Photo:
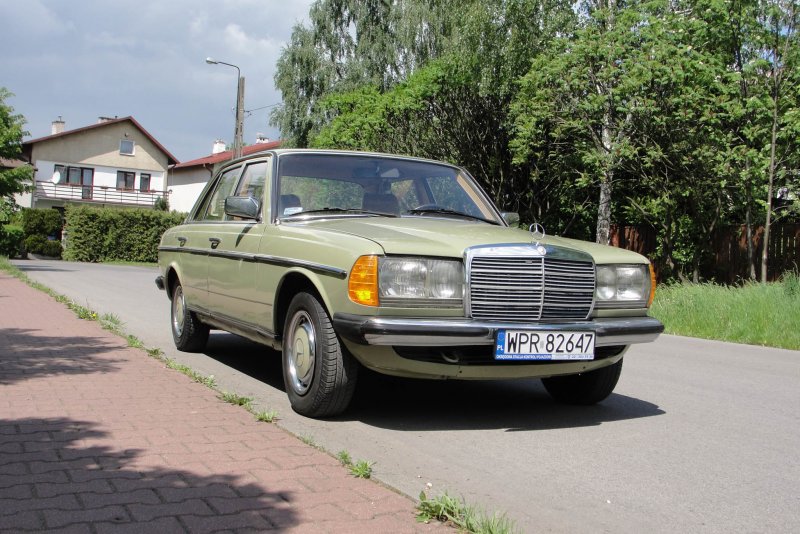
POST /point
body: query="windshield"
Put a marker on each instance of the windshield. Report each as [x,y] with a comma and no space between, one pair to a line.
[347,185]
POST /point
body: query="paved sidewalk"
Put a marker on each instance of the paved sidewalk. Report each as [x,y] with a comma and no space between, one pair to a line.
[98,437]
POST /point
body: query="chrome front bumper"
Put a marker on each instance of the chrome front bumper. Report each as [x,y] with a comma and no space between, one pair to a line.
[413,332]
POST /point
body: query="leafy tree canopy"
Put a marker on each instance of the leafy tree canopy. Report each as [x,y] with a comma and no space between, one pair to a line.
[11,134]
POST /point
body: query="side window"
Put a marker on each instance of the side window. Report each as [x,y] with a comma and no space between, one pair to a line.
[214,206]
[253,180]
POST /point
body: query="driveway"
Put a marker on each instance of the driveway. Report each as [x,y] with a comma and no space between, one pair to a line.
[699,436]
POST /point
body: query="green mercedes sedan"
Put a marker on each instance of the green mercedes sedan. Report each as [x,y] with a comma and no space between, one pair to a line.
[405,266]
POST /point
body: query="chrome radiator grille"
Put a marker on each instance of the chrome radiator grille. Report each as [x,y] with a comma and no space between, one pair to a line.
[529,289]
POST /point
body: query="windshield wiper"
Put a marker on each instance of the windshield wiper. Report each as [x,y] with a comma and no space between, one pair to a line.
[343,210]
[445,211]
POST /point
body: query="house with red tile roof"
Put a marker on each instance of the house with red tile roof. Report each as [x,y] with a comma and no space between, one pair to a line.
[186,180]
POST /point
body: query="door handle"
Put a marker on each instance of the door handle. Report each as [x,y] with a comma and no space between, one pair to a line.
[181,240]
[215,241]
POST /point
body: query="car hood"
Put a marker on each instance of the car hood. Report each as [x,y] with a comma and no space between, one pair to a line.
[446,237]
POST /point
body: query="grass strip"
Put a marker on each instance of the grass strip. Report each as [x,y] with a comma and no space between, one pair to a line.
[753,313]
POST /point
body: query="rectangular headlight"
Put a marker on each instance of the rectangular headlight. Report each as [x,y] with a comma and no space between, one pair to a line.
[622,286]
[420,282]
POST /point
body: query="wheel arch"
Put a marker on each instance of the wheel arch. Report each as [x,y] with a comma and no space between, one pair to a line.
[170,280]
[290,285]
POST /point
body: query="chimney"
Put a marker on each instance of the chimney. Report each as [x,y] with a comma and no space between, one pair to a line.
[261,138]
[101,120]
[219,146]
[57,126]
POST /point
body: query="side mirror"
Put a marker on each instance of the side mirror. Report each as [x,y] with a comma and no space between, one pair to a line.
[244,207]
[511,218]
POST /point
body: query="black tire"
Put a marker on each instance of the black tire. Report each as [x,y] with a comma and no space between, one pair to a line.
[189,334]
[318,372]
[585,388]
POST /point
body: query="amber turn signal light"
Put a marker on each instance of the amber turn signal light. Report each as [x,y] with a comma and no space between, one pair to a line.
[652,286]
[362,286]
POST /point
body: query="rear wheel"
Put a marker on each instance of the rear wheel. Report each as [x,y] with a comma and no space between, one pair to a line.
[585,388]
[189,334]
[319,373]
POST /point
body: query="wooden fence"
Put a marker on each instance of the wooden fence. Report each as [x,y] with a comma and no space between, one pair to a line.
[729,263]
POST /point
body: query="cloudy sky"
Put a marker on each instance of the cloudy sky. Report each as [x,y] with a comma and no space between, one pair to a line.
[84,59]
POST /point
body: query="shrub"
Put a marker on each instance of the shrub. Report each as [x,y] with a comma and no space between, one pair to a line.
[10,240]
[35,244]
[42,222]
[107,234]
[52,249]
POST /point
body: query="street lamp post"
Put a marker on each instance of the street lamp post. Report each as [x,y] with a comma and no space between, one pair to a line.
[239,127]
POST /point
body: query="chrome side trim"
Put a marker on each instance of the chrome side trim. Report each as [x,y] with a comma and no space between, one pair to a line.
[261,258]
[412,332]
[315,267]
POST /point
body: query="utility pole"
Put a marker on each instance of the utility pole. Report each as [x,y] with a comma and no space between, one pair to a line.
[238,129]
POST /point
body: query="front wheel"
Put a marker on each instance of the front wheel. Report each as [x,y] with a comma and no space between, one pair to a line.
[189,334]
[318,372]
[585,388]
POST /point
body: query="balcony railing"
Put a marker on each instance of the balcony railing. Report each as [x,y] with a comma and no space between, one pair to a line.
[96,193]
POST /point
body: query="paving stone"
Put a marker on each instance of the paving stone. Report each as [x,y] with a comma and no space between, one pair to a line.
[98,437]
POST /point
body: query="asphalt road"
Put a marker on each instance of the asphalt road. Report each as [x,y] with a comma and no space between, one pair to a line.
[699,436]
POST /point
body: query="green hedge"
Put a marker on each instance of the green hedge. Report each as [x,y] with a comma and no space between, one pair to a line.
[10,240]
[107,234]
[43,222]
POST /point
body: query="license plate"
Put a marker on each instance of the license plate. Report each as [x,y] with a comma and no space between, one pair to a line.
[544,345]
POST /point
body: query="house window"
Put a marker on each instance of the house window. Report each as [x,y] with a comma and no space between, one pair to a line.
[125,180]
[59,174]
[82,177]
[144,183]
[126,147]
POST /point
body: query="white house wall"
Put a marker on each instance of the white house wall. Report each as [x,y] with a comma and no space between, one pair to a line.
[186,186]
[103,176]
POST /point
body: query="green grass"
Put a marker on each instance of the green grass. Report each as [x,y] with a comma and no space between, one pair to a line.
[235,399]
[266,416]
[466,518]
[361,469]
[344,458]
[754,314]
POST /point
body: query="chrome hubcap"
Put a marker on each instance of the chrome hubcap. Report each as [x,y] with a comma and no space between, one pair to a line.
[178,311]
[301,352]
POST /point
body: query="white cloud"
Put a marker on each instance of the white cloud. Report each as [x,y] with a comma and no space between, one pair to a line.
[82,59]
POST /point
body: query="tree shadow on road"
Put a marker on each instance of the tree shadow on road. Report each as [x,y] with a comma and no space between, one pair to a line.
[59,472]
[26,354]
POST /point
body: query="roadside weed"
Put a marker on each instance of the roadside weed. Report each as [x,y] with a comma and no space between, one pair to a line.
[267,416]
[134,342]
[235,399]
[191,373]
[344,458]
[308,440]
[448,509]
[361,469]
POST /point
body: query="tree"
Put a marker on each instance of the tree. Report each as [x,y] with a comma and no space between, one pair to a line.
[11,133]
[779,20]
[350,44]
[578,97]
